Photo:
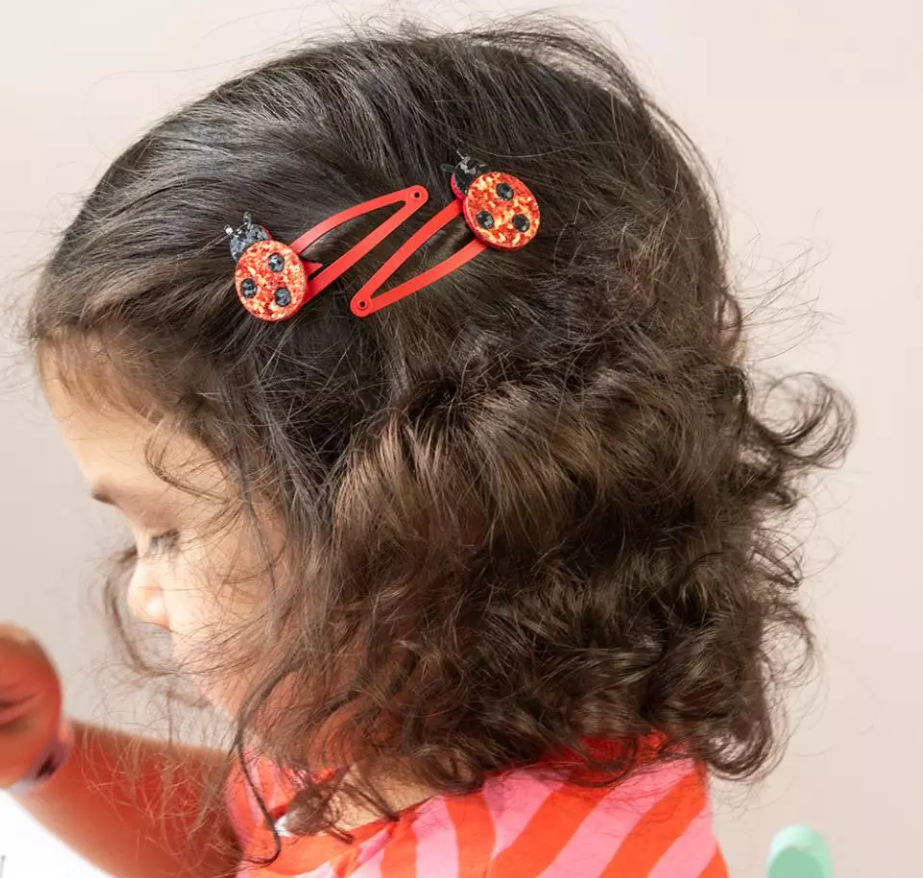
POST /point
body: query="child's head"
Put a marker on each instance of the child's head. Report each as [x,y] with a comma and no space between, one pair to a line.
[530,504]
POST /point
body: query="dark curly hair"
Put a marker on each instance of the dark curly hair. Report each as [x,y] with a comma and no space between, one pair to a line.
[536,504]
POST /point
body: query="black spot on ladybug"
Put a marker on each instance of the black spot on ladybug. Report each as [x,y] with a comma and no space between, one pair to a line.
[504,191]
[276,262]
[248,288]
[485,219]
[283,297]
[520,222]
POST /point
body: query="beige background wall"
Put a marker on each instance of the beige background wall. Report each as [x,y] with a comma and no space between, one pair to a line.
[811,113]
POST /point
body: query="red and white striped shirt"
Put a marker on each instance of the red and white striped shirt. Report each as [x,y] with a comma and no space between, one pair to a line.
[522,824]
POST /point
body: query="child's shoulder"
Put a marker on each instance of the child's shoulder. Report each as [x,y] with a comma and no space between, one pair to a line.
[657,822]
[523,824]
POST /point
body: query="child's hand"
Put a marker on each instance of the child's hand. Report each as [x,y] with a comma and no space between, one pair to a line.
[30,702]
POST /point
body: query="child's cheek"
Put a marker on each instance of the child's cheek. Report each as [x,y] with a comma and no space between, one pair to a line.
[205,623]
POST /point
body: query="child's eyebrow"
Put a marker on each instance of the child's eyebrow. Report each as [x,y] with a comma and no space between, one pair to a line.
[123,499]
[103,495]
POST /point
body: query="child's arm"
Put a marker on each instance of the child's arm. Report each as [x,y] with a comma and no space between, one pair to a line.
[136,826]
[117,800]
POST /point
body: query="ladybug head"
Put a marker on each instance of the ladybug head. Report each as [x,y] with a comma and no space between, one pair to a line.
[465,173]
[245,235]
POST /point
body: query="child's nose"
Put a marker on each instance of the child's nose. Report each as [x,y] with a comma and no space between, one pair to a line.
[146,603]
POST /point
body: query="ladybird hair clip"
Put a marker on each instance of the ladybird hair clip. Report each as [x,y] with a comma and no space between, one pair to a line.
[273,282]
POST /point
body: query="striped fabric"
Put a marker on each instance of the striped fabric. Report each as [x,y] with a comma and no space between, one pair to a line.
[520,825]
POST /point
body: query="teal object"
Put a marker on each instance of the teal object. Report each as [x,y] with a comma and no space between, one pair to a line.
[799,852]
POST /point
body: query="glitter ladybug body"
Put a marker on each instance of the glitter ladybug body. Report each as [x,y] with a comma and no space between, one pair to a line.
[270,278]
[498,207]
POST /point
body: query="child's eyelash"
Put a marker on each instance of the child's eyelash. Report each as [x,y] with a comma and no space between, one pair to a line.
[161,543]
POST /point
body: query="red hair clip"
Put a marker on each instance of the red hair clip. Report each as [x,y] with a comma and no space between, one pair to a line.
[273,282]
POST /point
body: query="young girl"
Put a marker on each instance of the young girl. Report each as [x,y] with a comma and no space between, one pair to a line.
[480,557]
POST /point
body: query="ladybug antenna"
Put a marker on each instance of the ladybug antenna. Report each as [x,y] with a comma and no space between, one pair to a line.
[469,165]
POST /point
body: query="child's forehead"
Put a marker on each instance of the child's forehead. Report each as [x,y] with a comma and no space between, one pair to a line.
[114,449]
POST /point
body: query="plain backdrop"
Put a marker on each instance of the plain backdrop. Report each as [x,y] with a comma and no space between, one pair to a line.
[810,113]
